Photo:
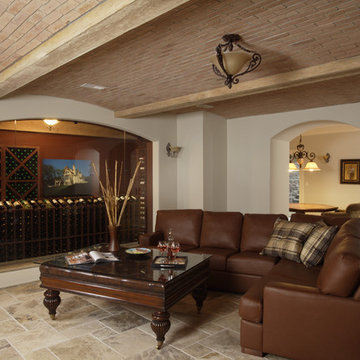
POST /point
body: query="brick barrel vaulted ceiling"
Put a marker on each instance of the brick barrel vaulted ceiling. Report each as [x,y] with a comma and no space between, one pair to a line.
[154,58]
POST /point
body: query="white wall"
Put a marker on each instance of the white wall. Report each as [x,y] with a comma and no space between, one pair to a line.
[190,161]
[324,186]
[256,143]
[215,162]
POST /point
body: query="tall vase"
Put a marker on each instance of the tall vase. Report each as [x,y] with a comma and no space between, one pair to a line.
[113,235]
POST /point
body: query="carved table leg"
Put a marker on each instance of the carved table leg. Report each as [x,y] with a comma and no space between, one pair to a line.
[199,294]
[160,324]
[52,301]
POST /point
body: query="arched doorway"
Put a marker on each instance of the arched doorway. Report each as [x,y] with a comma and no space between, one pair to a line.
[50,199]
[323,187]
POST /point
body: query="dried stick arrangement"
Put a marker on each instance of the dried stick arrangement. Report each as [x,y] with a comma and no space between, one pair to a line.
[111,193]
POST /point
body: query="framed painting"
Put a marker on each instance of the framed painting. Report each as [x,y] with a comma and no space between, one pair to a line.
[64,177]
[349,171]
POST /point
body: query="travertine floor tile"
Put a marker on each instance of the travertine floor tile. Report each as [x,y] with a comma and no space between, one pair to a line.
[42,336]
[9,328]
[166,353]
[84,348]
[42,354]
[83,329]
[132,342]
[231,321]
[182,335]
[197,350]
[8,352]
[226,343]
[124,320]
[104,333]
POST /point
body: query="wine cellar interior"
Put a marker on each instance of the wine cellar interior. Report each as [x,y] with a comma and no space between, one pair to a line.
[51,201]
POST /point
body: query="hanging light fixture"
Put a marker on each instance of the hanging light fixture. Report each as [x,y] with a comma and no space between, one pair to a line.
[300,155]
[230,64]
[50,123]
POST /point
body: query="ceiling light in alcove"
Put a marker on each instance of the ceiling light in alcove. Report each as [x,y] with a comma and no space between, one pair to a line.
[50,123]
[93,86]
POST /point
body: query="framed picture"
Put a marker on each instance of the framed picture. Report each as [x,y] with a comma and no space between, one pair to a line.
[349,171]
[64,177]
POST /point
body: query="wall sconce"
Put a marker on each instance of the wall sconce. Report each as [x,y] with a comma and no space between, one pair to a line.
[172,151]
[228,64]
[326,157]
[50,123]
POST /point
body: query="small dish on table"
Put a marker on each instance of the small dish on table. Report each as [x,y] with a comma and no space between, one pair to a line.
[138,252]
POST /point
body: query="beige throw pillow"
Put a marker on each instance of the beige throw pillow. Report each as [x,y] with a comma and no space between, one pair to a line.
[287,239]
[316,245]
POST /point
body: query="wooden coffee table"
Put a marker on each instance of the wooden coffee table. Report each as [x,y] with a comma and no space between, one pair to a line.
[131,280]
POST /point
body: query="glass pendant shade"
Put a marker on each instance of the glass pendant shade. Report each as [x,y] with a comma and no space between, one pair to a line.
[293,167]
[311,166]
[233,61]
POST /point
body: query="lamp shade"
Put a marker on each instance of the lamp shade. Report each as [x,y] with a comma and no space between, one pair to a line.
[311,166]
[293,167]
[233,61]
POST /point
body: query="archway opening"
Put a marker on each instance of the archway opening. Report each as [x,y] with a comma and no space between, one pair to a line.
[323,187]
[51,201]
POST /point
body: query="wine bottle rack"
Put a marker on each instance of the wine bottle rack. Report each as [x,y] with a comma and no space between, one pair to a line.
[28,233]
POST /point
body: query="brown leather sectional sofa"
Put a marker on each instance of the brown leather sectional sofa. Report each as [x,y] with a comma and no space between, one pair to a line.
[287,309]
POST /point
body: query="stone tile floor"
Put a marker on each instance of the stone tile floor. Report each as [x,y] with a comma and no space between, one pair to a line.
[96,329]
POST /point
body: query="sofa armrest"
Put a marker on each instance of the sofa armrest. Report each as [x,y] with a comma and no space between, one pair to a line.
[300,322]
[151,239]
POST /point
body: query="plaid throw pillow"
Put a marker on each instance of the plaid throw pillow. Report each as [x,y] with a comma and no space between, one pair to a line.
[317,244]
[287,239]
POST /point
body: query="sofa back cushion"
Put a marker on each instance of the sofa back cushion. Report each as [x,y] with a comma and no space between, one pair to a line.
[221,230]
[328,220]
[340,274]
[185,225]
[256,230]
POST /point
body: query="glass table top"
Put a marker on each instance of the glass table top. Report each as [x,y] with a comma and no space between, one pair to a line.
[130,266]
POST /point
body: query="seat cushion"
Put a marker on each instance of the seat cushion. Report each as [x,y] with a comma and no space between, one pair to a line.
[293,272]
[251,304]
[256,230]
[185,225]
[218,258]
[221,230]
[251,263]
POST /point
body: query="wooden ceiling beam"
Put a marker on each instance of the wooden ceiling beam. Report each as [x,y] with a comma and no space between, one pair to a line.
[105,22]
[313,74]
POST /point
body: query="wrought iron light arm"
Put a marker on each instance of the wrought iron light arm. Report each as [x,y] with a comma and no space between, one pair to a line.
[229,41]
[300,154]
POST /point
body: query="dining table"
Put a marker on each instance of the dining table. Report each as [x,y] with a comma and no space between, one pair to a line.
[309,207]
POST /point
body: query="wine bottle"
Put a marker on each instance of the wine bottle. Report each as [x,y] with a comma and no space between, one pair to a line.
[25,204]
[8,204]
[41,203]
[2,206]
[70,202]
[33,204]
[79,202]
[55,203]
[48,204]
[62,202]
[17,204]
